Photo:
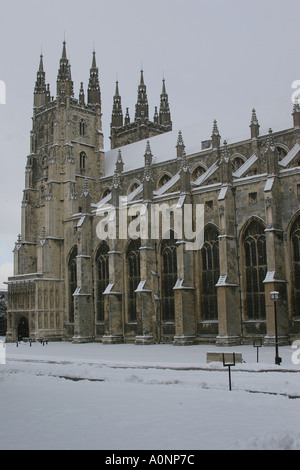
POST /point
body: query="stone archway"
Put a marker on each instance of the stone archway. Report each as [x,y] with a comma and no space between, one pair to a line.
[23,328]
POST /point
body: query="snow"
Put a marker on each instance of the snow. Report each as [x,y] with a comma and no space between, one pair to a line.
[233,130]
[158,397]
[290,156]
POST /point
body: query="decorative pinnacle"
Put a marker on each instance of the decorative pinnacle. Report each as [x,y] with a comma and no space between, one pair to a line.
[119,163]
[215,128]
[270,141]
[225,152]
[86,188]
[254,120]
[180,139]
[184,164]
[148,153]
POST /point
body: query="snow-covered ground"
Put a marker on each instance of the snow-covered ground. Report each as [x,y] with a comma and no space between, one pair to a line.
[159,397]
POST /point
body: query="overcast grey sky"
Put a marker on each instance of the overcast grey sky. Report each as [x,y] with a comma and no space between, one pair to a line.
[220,58]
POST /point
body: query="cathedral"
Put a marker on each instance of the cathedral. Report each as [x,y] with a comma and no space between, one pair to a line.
[71,284]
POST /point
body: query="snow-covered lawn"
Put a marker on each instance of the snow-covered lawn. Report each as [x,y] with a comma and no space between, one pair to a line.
[159,397]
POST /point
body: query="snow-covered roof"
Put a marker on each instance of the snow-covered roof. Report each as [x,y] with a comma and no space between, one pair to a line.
[163,147]
[245,167]
[206,175]
[290,156]
[168,185]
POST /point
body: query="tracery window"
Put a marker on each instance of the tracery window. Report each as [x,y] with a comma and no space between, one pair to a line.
[102,266]
[236,163]
[210,274]
[281,152]
[295,238]
[133,187]
[169,278]
[134,277]
[200,170]
[255,270]
[163,180]
[82,161]
[82,127]
[72,282]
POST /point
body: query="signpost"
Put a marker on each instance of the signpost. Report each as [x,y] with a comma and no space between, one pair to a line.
[257,343]
[229,362]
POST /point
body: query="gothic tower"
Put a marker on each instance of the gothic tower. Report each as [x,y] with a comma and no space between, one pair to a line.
[66,156]
[126,132]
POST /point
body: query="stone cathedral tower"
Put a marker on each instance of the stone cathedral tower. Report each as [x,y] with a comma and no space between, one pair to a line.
[66,157]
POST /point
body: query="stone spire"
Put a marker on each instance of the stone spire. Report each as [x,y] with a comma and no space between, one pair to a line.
[41,90]
[127,117]
[225,165]
[94,93]
[271,155]
[117,114]
[116,188]
[164,111]
[254,126]
[64,79]
[180,149]
[81,95]
[148,181]
[119,163]
[216,138]
[142,107]
[148,153]
[185,175]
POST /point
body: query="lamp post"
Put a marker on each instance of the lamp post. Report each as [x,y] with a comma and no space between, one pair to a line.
[274,298]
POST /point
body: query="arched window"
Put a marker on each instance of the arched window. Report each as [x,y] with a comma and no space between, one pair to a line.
[163,180]
[82,162]
[295,238]
[255,270]
[236,163]
[169,278]
[133,187]
[72,282]
[106,192]
[198,171]
[281,152]
[134,277]
[210,274]
[82,127]
[102,266]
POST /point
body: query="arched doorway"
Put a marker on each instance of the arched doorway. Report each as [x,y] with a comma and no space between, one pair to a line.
[23,329]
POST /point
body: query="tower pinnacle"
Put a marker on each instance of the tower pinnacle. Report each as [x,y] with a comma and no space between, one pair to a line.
[41,90]
[142,108]
[117,114]
[164,111]
[64,79]
[94,94]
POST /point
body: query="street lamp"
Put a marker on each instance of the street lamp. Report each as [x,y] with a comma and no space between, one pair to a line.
[274,298]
